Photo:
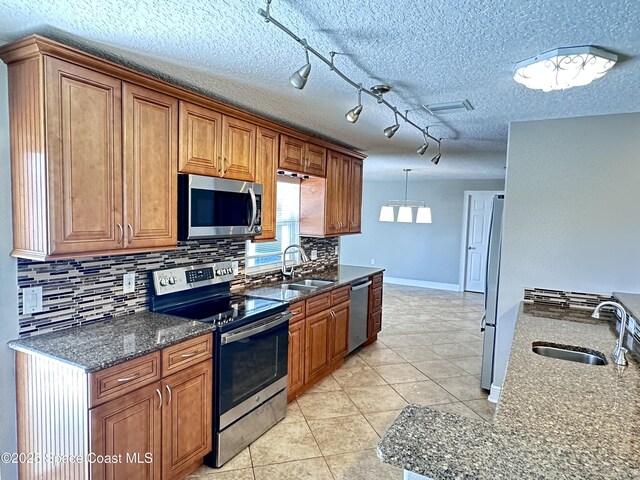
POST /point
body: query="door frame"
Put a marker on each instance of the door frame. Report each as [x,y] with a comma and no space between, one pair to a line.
[462,277]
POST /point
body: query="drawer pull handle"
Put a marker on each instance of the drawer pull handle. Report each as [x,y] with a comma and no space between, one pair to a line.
[128,379]
[169,391]
[188,355]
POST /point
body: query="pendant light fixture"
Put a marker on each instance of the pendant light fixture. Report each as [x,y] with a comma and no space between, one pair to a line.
[564,68]
[405,207]
[353,114]
[300,76]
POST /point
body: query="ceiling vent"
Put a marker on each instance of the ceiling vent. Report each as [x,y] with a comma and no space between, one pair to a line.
[448,107]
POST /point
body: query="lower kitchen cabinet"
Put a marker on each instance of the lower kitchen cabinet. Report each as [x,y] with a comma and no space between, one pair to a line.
[340,332]
[374,322]
[295,373]
[317,342]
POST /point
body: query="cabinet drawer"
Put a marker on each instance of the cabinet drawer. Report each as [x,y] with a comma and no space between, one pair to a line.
[318,303]
[376,280]
[340,295]
[184,354]
[376,323]
[375,299]
[298,311]
[126,377]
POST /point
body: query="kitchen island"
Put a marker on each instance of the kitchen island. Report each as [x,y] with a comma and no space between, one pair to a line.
[556,419]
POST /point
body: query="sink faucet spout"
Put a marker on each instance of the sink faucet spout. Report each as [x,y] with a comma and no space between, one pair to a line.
[619,351]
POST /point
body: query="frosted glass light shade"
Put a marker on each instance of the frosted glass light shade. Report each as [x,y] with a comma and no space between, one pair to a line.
[386,214]
[405,215]
[423,215]
[564,68]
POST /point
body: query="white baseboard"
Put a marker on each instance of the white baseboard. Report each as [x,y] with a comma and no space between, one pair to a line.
[454,287]
[494,393]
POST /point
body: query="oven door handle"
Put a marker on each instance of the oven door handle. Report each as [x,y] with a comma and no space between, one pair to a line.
[255,328]
[254,209]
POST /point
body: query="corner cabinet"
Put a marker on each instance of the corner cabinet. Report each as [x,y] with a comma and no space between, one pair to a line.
[93,162]
[333,206]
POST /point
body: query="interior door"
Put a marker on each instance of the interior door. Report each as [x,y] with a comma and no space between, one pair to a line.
[478,222]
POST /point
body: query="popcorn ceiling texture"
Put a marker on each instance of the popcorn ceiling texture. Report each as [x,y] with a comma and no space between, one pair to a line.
[427,51]
[76,292]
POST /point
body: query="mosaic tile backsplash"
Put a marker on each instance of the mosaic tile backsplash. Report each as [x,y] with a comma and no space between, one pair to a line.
[76,292]
[560,298]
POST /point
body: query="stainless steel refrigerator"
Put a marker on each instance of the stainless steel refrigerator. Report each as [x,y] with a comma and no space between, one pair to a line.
[492,280]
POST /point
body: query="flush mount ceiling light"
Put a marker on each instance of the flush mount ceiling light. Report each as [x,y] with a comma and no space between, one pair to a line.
[405,207]
[298,79]
[353,114]
[564,68]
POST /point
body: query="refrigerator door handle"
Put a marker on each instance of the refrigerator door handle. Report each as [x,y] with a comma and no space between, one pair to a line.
[483,322]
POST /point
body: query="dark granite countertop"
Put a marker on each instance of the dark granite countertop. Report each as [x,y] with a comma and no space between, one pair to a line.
[109,342]
[555,419]
[343,275]
[631,302]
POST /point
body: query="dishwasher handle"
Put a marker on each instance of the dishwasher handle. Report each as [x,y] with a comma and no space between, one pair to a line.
[360,286]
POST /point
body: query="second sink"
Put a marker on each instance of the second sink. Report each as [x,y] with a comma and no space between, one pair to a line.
[570,353]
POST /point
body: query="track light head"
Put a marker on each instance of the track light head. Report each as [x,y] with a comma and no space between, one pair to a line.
[390,131]
[423,148]
[300,76]
[435,160]
[353,114]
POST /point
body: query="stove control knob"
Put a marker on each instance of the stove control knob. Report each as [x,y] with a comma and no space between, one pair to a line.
[164,282]
[172,280]
[218,272]
[229,271]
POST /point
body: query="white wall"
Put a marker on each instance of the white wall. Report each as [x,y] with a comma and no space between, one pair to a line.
[422,252]
[572,212]
[8,291]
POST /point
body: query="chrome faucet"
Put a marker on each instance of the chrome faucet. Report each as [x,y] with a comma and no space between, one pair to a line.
[619,351]
[289,272]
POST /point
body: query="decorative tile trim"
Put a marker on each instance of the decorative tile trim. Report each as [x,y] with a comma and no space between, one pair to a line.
[559,298]
[77,292]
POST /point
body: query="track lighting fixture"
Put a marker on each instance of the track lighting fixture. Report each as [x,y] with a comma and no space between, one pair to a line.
[436,159]
[300,76]
[353,114]
[299,79]
[390,131]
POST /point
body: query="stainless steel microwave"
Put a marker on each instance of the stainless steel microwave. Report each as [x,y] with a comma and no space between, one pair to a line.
[211,207]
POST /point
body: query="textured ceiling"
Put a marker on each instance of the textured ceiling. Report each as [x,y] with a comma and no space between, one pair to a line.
[429,51]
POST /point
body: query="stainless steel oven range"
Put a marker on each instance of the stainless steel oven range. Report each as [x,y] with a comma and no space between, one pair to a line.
[250,353]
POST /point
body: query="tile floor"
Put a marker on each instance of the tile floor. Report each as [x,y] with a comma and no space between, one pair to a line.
[429,353]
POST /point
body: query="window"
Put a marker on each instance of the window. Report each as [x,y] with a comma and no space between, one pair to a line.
[268,255]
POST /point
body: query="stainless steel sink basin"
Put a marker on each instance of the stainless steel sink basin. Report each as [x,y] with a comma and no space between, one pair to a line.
[570,353]
[300,287]
[315,283]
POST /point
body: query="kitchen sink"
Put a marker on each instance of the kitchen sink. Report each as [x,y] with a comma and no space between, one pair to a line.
[299,286]
[569,353]
[312,283]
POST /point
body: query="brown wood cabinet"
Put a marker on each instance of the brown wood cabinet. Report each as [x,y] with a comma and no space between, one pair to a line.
[302,157]
[267,145]
[340,331]
[158,426]
[317,345]
[333,206]
[238,149]
[200,146]
[295,373]
[374,322]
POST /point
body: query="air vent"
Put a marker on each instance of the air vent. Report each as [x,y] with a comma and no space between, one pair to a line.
[448,107]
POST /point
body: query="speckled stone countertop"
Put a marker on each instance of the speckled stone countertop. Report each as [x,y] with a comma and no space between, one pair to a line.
[343,275]
[555,419]
[109,342]
[631,302]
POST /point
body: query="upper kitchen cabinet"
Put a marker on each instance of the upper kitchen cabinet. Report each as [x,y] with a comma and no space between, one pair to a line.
[302,157]
[150,138]
[333,206]
[266,164]
[216,145]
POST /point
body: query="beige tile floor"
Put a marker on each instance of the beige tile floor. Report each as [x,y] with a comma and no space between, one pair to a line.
[429,353]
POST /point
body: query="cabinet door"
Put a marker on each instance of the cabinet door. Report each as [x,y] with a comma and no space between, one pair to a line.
[295,372]
[266,166]
[131,427]
[333,205]
[340,332]
[85,159]
[355,196]
[186,418]
[292,154]
[317,347]
[200,146]
[316,160]
[344,187]
[150,134]
[238,149]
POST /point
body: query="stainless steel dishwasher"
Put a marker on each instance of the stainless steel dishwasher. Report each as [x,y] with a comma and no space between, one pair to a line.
[359,313]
